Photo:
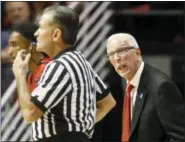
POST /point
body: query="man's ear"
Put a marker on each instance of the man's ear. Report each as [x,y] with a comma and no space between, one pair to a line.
[138,51]
[57,35]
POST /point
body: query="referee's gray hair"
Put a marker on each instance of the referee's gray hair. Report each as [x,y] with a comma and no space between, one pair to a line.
[122,37]
[68,21]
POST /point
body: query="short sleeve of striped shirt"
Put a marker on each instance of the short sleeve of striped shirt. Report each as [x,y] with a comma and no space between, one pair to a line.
[54,84]
[101,89]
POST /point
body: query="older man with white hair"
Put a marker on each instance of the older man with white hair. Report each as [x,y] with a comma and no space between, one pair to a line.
[153,107]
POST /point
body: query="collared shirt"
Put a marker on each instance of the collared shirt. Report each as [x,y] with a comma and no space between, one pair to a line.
[135,82]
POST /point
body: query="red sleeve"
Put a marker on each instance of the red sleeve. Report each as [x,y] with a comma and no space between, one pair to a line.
[38,73]
[30,82]
[34,77]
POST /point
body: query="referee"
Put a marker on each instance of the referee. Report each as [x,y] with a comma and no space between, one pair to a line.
[70,97]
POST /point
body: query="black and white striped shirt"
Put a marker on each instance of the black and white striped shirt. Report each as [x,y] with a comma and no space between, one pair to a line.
[67,94]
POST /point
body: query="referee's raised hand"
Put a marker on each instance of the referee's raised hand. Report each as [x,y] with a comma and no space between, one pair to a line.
[20,64]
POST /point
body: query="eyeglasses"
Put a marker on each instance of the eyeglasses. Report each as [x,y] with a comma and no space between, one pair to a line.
[120,52]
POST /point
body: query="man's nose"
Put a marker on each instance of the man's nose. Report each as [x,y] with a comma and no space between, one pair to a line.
[9,51]
[36,34]
[16,12]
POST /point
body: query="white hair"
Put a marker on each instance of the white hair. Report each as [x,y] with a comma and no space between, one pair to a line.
[121,38]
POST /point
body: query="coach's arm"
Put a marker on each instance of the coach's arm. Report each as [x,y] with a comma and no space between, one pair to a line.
[103,106]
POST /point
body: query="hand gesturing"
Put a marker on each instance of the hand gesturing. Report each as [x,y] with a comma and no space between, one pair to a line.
[20,64]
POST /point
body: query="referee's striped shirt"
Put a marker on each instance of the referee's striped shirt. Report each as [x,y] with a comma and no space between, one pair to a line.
[67,94]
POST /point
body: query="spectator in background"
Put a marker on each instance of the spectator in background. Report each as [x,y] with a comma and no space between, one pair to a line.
[16,12]
[153,105]
[38,8]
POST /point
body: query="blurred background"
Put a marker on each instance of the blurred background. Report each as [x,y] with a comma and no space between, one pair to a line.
[157,26]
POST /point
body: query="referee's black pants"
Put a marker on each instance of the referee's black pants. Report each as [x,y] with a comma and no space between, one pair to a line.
[67,137]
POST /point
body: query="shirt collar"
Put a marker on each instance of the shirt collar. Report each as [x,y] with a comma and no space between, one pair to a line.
[62,52]
[136,79]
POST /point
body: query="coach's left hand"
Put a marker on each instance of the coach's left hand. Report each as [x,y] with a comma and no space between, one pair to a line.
[20,64]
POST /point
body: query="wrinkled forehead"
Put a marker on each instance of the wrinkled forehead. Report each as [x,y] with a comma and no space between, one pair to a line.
[117,43]
[14,36]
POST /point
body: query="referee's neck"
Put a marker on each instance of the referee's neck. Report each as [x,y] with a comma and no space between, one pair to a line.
[59,49]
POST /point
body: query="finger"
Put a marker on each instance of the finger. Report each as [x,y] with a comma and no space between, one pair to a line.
[19,54]
[27,59]
[30,49]
[33,44]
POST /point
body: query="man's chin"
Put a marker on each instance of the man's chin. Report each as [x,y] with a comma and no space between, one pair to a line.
[38,49]
[123,74]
